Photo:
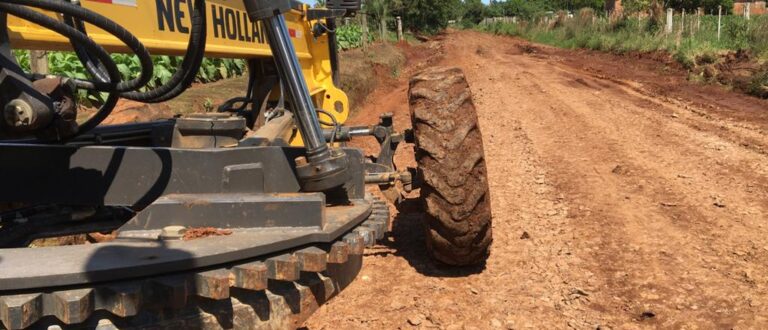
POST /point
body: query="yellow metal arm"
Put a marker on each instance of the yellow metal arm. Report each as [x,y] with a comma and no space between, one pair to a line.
[163,26]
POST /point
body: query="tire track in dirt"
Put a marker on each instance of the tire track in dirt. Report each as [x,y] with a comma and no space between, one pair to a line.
[615,205]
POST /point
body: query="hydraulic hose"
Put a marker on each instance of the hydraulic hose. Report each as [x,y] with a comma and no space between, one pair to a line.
[106,77]
[185,73]
[82,39]
[67,8]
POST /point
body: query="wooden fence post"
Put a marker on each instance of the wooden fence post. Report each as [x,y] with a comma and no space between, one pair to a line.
[682,23]
[719,21]
[364,23]
[399,28]
[38,61]
[747,10]
[670,15]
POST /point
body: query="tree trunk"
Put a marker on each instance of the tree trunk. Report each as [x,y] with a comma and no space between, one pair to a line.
[383,27]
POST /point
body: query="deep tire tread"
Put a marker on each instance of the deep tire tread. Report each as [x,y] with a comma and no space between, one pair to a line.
[452,169]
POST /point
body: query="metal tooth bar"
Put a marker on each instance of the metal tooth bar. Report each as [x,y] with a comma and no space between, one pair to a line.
[369,237]
[339,253]
[250,276]
[169,291]
[128,298]
[213,284]
[72,306]
[283,268]
[121,300]
[356,243]
[312,259]
[21,311]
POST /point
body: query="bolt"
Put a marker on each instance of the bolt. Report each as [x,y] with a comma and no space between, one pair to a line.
[301,161]
[172,233]
[19,113]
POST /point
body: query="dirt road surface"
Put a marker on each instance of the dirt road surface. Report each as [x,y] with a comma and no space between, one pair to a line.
[623,197]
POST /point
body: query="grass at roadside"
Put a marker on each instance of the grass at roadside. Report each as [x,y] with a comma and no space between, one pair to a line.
[696,46]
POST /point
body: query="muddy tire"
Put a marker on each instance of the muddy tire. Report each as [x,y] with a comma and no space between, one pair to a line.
[451,167]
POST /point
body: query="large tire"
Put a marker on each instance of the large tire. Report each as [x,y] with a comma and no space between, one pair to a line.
[451,167]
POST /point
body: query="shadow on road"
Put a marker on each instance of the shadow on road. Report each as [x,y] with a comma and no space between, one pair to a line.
[408,242]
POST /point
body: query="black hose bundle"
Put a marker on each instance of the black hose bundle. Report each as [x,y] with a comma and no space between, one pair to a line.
[98,62]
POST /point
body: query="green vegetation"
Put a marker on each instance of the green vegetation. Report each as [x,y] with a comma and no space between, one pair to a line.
[633,34]
[692,45]
[67,64]
[351,36]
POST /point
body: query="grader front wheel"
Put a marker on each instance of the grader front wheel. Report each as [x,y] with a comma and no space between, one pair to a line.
[452,170]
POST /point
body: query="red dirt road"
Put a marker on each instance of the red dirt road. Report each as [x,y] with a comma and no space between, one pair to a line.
[623,197]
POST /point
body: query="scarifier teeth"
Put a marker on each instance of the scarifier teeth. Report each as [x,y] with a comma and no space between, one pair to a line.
[339,253]
[21,311]
[283,268]
[356,243]
[312,259]
[121,300]
[72,306]
[213,284]
[251,276]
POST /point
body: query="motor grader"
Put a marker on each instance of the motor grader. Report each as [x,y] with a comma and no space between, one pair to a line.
[250,216]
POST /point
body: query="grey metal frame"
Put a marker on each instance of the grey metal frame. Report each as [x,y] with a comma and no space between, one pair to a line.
[140,179]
